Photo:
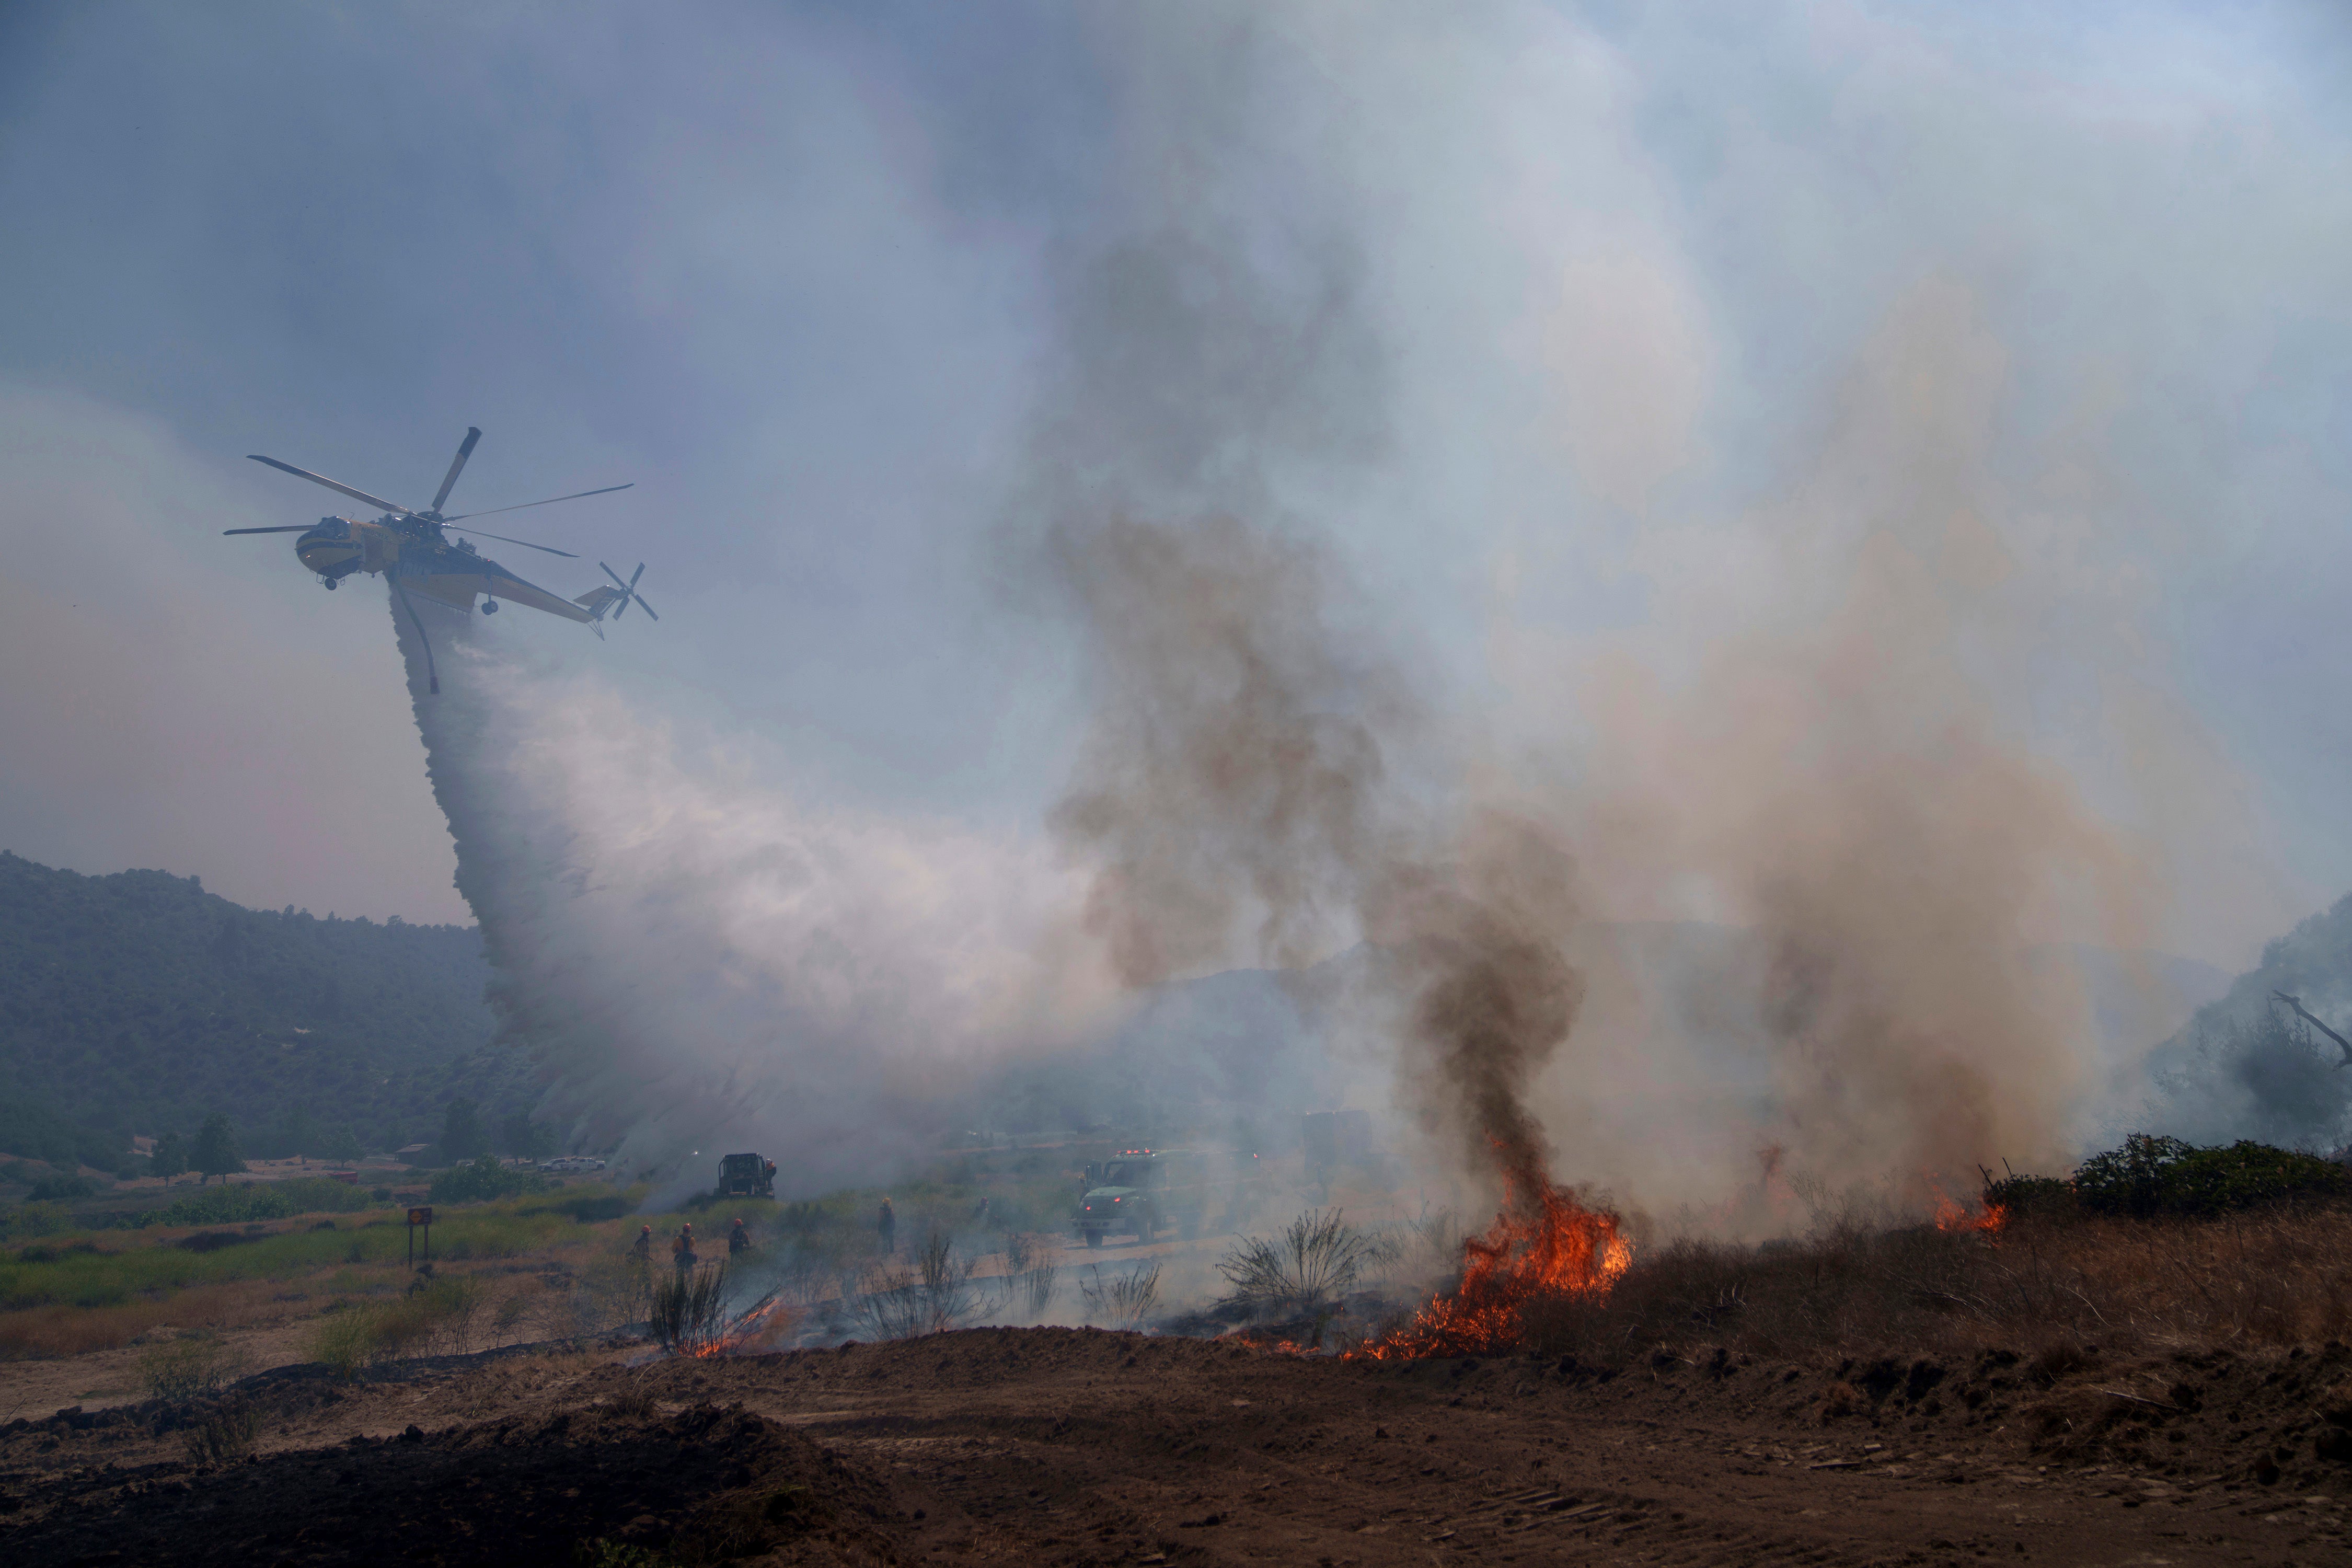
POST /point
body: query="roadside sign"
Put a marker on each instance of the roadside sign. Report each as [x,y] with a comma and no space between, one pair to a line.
[418,1216]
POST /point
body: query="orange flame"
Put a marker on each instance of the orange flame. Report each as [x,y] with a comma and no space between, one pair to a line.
[756,1330]
[1548,1245]
[1951,1215]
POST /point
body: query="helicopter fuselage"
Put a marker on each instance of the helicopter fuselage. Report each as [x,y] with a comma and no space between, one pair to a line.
[413,550]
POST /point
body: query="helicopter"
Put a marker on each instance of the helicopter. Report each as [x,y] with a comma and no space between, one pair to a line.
[410,549]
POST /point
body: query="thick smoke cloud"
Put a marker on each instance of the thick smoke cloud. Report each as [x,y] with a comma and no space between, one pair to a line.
[1236,802]
[1407,391]
[1847,776]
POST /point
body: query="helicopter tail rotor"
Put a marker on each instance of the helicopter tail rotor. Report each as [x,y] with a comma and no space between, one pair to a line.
[628,591]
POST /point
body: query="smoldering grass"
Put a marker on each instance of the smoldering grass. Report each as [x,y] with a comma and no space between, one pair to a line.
[1308,1269]
[1121,1300]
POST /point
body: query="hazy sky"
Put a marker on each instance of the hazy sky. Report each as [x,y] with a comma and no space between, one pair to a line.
[808,275]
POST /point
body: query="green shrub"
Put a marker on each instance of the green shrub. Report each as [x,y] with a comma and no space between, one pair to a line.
[2018,1195]
[482,1179]
[441,1317]
[262,1200]
[61,1187]
[345,1341]
[2156,1176]
[33,1219]
[186,1368]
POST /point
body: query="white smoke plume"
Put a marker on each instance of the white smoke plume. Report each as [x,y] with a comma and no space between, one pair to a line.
[698,960]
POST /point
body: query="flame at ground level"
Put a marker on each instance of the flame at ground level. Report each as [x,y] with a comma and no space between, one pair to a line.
[1543,1244]
[1955,1216]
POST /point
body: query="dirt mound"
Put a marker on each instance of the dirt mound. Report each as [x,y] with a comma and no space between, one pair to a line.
[705,1484]
[1060,1448]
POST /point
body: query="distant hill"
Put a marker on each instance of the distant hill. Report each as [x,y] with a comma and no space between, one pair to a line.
[140,1003]
[2245,1068]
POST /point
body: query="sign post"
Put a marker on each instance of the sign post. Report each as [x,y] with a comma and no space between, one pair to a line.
[423,1216]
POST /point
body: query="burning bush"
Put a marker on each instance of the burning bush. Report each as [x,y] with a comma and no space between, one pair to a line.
[1544,1252]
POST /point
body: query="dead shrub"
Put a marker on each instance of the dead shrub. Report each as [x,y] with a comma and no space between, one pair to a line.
[225,1437]
[1122,1300]
[1307,1270]
[632,1402]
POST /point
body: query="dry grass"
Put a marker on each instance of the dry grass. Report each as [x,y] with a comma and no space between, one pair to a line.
[62,1329]
[2269,1278]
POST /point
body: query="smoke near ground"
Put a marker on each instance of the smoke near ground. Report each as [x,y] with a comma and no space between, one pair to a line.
[700,963]
[1237,801]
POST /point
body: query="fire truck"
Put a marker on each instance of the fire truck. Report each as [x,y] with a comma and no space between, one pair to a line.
[1143,1192]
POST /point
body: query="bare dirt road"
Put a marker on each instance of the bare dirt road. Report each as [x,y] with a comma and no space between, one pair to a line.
[1054,1446]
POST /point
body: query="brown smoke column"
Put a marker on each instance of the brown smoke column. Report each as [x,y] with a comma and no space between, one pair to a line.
[1237,797]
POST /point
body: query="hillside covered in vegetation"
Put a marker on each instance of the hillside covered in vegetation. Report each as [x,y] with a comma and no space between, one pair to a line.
[2249,1065]
[138,1002]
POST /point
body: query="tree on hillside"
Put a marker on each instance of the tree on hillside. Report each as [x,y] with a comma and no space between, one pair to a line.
[520,1136]
[171,1155]
[462,1136]
[299,1133]
[342,1146]
[214,1152]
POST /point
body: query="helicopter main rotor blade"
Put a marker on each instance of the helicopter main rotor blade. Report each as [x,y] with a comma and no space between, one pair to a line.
[522,506]
[289,528]
[330,484]
[526,543]
[457,464]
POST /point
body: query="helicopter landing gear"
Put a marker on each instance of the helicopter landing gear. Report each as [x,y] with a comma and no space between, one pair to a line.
[490,606]
[331,584]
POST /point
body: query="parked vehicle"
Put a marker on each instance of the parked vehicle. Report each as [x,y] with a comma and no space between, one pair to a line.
[747,1176]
